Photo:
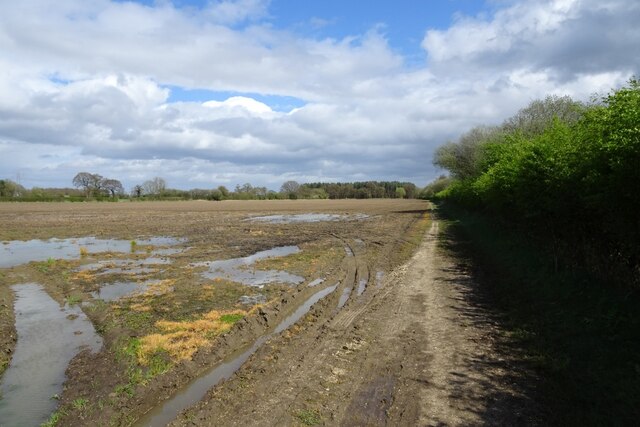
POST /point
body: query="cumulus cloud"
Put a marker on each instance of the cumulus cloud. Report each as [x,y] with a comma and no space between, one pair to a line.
[84,87]
[562,38]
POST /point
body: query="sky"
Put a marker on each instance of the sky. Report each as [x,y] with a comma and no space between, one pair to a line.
[227,92]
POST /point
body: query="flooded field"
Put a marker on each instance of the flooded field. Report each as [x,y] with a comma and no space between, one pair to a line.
[139,309]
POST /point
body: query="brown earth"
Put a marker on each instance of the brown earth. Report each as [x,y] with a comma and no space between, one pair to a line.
[421,349]
[110,381]
[419,346]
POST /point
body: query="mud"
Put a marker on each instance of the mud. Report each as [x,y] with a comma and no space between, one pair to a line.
[420,349]
[168,411]
[115,388]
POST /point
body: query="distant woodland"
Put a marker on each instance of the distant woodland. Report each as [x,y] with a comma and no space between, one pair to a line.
[91,187]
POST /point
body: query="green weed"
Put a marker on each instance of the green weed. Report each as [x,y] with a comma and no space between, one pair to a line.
[124,389]
[308,417]
[73,299]
[231,318]
[54,419]
[80,403]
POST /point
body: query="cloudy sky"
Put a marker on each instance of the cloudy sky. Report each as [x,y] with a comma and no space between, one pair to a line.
[223,92]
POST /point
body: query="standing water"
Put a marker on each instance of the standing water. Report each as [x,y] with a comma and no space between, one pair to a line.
[49,336]
[193,393]
[237,269]
[18,252]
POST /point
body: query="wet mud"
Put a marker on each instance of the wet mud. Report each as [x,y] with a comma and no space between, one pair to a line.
[214,260]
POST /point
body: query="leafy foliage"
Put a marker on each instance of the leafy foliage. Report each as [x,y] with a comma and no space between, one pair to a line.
[564,173]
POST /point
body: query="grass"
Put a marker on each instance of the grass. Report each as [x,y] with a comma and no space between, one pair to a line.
[54,419]
[80,403]
[73,299]
[45,266]
[181,339]
[581,335]
[4,363]
[232,318]
[308,417]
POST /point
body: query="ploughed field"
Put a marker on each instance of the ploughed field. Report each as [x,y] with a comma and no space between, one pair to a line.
[125,313]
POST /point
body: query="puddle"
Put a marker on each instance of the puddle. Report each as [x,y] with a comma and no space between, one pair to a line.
[362,285]
[379,277]
[252,299]
[18,252]
[49,336]
[236,269]
[315,283]
[194,392]
[346,293]
[308,217]
[115,291]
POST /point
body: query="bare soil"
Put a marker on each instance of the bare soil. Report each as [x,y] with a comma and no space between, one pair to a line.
[418,350]
[110,381]
[419,346]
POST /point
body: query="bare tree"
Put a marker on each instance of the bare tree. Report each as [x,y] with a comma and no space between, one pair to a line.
[91,183]
[155,186]
[113,186]
[290,188]
[539,114]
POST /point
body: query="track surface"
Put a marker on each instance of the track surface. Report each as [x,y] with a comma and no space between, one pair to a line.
[414,349]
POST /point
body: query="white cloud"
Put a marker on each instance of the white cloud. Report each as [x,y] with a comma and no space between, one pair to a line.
[84,88]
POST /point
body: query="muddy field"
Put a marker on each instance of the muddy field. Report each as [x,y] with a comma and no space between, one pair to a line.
[149,301]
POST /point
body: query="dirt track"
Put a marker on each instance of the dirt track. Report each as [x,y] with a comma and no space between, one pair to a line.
[416,350]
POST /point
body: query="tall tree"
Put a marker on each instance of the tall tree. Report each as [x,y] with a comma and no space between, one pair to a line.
[113,186]
[91,183]
[290,188]
[155,186]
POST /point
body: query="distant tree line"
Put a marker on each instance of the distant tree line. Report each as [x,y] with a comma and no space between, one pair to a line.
[564,172]
[92,186]
[362,190]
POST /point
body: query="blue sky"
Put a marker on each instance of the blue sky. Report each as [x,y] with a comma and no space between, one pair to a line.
[403,23]
[226,92]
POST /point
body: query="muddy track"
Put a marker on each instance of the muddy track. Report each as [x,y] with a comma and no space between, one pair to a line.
[415,351]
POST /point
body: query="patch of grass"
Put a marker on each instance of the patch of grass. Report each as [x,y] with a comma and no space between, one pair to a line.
[580,334]
[80,403]
[158,364]
[125,389]
[54,419]
[181,339]
[138,320]
[308,417]
[83,252]
[134,245]
[232,318]
[73,299]
[4,364]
